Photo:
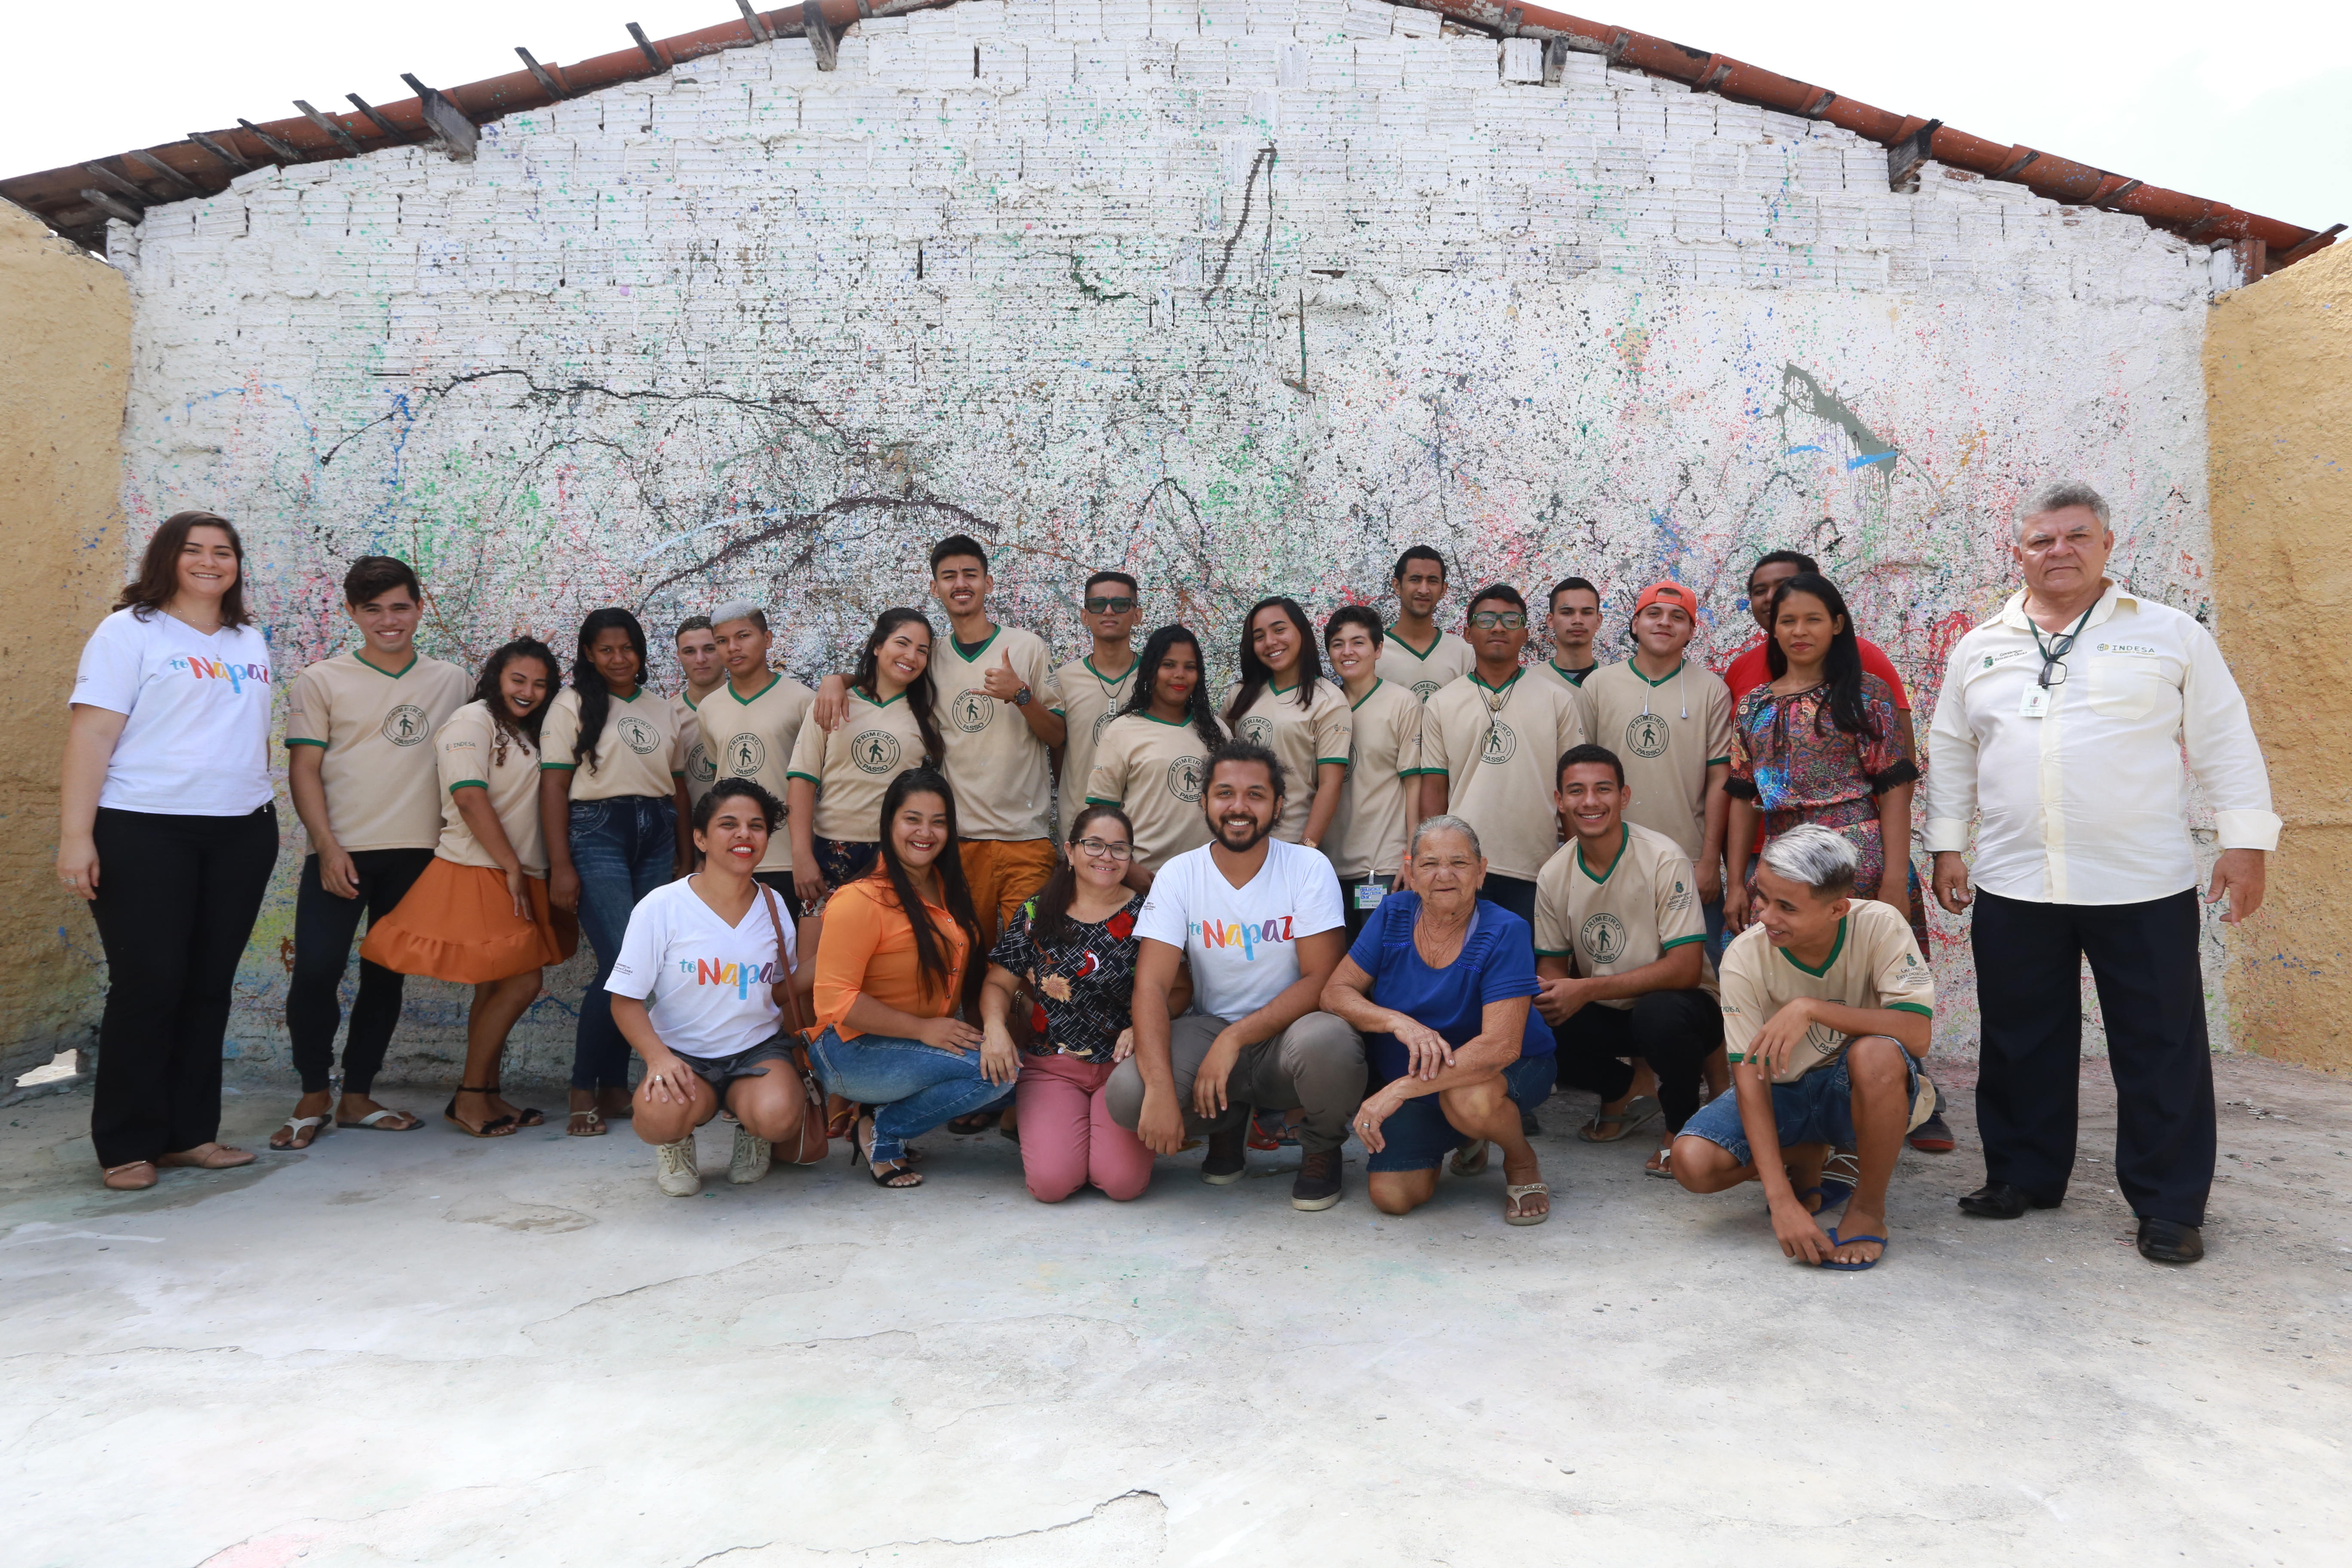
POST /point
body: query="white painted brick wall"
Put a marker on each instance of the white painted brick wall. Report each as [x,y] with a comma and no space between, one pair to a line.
[1549,329]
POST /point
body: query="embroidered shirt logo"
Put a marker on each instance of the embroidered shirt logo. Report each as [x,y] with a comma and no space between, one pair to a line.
[973,710]
[1602,937]
[1425,690]
[405,725]
[698,765]
[1501,743]
[746,754]
[1185,778]
[638,736]
[875,750]
[1256,730]
[1646,735]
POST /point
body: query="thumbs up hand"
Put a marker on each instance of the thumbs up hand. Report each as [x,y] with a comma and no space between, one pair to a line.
[1001,682]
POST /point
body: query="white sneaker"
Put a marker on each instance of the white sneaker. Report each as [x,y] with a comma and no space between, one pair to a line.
[674,1171]
[750,1159]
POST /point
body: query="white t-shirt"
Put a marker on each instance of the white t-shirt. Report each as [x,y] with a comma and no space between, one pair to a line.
[709,981]
[1242,943]
[196,743]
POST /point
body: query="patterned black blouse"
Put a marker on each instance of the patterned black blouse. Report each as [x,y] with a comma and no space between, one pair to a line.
[1081,987]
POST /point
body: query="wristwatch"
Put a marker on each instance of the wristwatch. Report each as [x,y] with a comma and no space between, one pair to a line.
[1021,698]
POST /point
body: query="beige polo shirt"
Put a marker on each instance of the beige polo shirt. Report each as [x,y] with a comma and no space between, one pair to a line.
[1088,703]
[852,766]
[470,752]
[1618,917]
[1876,963]
[1499,749]
[637,754]
[1667,733]
[1367,836]
[1001,773]
[374,732]
[1154,771]
[702,772]
[1424,675]
[1302,739]
[753,739]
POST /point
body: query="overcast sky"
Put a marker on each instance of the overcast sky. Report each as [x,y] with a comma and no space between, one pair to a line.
[2245,104]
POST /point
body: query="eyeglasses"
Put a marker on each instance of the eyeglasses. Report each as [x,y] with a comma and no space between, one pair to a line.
[1118,606]
[1499,620]
[1101,847]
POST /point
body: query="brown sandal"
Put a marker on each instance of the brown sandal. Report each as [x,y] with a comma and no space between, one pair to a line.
[128,1178]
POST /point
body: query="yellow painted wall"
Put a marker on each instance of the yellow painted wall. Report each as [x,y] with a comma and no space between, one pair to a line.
[2278,379]
[64,368]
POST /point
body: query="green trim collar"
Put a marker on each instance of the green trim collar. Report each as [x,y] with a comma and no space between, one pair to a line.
[1636,670]
[414,657]
[1625,838]
[774,676]
[979,649]
[1828,963]
[1435,643]
[1367,696]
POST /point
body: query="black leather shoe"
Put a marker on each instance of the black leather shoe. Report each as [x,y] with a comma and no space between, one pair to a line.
[1227,1159]
[1999,1200]
[2168,1241]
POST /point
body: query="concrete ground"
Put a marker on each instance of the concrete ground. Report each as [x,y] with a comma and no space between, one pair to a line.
[417,1348]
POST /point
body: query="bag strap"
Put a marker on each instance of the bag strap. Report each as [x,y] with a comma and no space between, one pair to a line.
[782,988]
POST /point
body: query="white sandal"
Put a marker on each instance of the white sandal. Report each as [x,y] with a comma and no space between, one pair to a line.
[1511,1196]
[376,1119]
[297,1125]
[1664,1169]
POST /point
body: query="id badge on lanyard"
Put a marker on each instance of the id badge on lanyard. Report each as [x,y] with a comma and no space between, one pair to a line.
[1366,896]
[2035,703]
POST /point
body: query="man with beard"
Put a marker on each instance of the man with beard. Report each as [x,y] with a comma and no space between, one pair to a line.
[1259,922]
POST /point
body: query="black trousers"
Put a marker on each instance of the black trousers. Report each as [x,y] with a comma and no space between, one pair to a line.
[1673,1031]
[1511,893]
[324,926]
[176,900]
[2029,991]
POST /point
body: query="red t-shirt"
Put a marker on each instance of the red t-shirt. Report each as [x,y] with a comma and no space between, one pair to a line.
[1749,671]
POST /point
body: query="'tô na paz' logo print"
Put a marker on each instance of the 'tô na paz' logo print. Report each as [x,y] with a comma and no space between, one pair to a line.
[973,710]
[639,736]
[875,750]
[1502,745]
[1646,735]
[405,725]
[1185,778]
[1603,937]
[745,755]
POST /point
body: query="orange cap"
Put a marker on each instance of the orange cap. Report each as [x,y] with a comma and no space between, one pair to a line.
[1666,592]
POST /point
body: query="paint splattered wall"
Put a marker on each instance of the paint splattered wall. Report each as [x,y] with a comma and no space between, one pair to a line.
[1244,299]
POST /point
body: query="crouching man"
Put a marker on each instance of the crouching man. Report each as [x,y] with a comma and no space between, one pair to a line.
[1827,1008]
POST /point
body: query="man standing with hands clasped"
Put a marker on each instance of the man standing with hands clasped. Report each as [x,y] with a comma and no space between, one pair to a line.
[2059,731]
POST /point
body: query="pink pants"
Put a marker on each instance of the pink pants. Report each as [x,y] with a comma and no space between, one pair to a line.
[1067,1138]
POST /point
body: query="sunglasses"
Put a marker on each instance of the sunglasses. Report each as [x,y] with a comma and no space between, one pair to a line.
[1499,620]
[1111,606]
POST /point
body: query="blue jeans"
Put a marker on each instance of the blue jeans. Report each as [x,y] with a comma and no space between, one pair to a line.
[623,849]
[912,1086]
[1816,1109]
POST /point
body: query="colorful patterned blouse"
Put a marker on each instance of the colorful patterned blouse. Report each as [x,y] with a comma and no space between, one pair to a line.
[1789,755]
[1080,987]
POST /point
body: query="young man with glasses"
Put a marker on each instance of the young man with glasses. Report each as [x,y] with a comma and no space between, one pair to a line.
[1088,692]
[1416,654]
[1489,743]
[1574,620]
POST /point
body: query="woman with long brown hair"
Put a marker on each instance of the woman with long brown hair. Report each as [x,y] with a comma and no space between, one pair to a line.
[836,778]
[1286,703]
[167,825]
[896,964]
[480,915]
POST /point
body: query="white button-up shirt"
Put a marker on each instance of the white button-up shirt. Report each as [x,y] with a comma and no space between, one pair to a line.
[2087,805]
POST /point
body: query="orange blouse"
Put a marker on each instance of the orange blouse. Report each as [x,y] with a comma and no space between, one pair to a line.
[868,950]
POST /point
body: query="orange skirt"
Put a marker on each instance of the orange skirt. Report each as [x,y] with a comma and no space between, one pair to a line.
[457,923]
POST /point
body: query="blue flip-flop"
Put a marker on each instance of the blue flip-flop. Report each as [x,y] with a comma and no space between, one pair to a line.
[1836,1240]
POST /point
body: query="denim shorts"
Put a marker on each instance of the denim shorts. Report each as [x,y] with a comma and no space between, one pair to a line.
[720,1071]
[1816,1109]
[1418,1137]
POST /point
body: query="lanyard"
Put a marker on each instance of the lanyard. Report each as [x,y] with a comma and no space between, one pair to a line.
[2054,652]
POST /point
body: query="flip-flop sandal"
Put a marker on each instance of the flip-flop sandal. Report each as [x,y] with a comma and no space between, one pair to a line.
[495,1127]
[595,1127]
[1638,1110]
[1836,1240]
[1465,1163]
[863,1158]
[294,1128]
[1511,1196]
[1664,1169]
[375,1120]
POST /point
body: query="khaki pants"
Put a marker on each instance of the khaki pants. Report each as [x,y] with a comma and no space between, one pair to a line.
[1003,874]
[1316,1066]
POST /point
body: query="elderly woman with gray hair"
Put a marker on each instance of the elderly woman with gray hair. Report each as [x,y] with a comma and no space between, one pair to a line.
[1440,984]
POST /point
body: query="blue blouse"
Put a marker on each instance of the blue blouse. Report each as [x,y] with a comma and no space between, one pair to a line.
[1497,961]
